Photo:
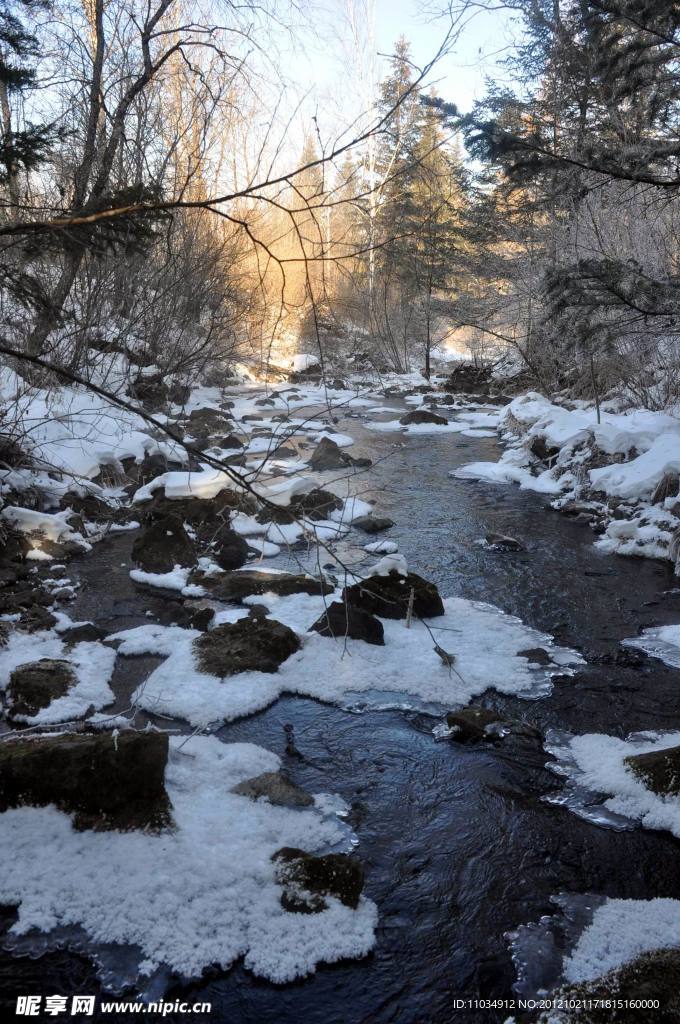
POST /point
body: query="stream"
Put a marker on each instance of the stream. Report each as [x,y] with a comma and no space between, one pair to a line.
[458,845]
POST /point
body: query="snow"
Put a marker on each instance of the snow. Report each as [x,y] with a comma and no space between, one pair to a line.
[639,477]
[302,362]
[177,579]
[595,763]
[202,894]
[92,664]
[382,547]
[53,527]
[331,670]
[75,432]
[620,931]
[203,483]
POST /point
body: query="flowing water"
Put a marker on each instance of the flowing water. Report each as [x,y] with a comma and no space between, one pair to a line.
[458,844]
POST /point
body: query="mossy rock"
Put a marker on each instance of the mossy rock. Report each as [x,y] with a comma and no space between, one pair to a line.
[307,879]
[249,645]
[238,585]
[659,770]
[388,596]
[163,544]
[36,684]
[106,781]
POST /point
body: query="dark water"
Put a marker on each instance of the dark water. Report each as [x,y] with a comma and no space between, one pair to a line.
[458,846]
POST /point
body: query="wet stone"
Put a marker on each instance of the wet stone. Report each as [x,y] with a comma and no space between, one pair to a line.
[276,788]
[343,620]
[307,879]
[372,524]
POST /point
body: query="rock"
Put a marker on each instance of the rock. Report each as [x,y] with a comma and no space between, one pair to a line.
[667,487]
[307,879]
[83,632]
[276,788]
[423,416]
[257,645]
[446,400]
[14,546]
[327,455]
[388,596]
[542,450]
[474,724]
[650,976]
[230,550]
[36,684]
[207,421]
[107,781]
[264,402]
[229,441]
[34,618]
[204,515]
[151,466]
[467,378]
[238,585]
[659,770]
[372,524]
[499,542]
[536,656]
[163,544]
[22,595]
[342,620]
[317,504]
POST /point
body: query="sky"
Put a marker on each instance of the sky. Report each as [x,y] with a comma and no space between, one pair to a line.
[321,61]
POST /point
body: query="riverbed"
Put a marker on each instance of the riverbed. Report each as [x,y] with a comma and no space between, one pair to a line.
[458,843]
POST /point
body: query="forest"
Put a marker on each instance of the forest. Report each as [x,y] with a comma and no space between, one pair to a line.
[340,510]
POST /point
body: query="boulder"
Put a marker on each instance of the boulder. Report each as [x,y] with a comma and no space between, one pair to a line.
[83,632]
[249,645]
[388,596]
[327,455]
[36,684]
[276,788]
[317,504]
[163,544]
[372,524]
[34,618]
[650,976]
[238,585]
[307,879]
[659,770]
[107,780]
[207,421]
[228,441]
[536,656]
[473,724]
[346,620]
[499,542]
[423,416]
[229,549]
[542,450]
